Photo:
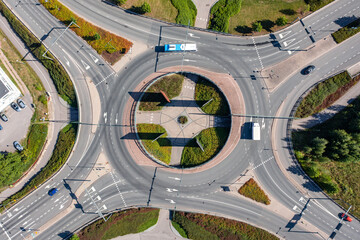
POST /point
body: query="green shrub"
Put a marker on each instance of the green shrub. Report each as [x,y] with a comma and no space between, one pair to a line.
[145,7]
[315,98]
[281,21]
[186,11]
[179,229]
[212,141]
[252,190]
[120,2]
[42,99]
[221,13]
[317,4]
[346,32]
[257,27]
[58,74]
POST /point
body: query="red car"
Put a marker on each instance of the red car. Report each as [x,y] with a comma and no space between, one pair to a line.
[346,217]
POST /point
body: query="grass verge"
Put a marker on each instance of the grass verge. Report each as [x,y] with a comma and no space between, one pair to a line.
[346,32]
[121,223]
[161,148]
[200,226]
[57,73]
[153,100]
[204,92]
[212,141]
[96,37]
[160,9]
[179,229]
[13,165]
[221,12]
[330,152]
[325,94]
[63,147]
[265,12]
[252,190]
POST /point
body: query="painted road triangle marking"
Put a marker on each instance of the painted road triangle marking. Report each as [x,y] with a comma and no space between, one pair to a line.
[287,43]
[293,50]
[282,35]
[94,58]
[86,66]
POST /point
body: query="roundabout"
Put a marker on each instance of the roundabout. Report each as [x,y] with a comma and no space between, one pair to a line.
[172,127]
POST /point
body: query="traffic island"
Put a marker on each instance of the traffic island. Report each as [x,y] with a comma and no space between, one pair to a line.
[169,112]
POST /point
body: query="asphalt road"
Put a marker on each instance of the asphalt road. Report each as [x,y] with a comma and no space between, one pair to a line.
[131,185]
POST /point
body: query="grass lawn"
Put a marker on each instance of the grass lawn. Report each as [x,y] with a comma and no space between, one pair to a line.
[160,9]
[161,148]
[200,226]
[89,31]
[120,224]
[153,100]
[324,94]
[206,90]
[13,165]
[337,168]
[212,140]
[252,190]
[265,11]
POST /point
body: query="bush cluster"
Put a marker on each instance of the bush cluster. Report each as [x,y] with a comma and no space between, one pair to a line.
[315,98]
[63,147]
[221,13]
[252,190]
[212,141]
[317,4]
[58,74]
[200,226]
[186,11]
[346,32]
[204,92]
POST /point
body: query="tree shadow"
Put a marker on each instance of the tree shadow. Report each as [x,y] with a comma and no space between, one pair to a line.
[343,21]
[243,29]
[267,24]
[137,10]
[288,11]
[65,234]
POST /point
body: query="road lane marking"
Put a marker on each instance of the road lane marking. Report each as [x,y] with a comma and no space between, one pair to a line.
[117,187]
[170,200]
[86,66]
[282,35]
[257,52]
[5,231]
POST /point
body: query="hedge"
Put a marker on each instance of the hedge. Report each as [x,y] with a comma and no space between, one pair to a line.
[221,13]
[186,11]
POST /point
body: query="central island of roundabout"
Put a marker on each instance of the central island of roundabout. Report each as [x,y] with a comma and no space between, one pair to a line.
[183,119]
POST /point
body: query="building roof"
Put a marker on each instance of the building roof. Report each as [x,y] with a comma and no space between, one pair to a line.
[8,91]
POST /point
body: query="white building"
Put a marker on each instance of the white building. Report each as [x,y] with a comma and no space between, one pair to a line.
[8,91]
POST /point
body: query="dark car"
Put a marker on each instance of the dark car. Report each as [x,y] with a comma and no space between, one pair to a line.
[346,217]
[52,191]
[18,146]
[21,103]
[308,69]
[4,117]
[15,107]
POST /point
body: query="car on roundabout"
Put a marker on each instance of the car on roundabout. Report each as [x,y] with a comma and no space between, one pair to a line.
[346,217]
[52,191]
[308,70]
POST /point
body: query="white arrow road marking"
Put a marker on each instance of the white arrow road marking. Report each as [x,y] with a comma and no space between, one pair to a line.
[67,62]
[86,66]
[171,201]
[94,58]
[171,190]
[47,186]
[9,214]
[105,117]
[61,206]
[282,35]
[192,35]
[293,50]
[287,43]
[175,178]
[116,118]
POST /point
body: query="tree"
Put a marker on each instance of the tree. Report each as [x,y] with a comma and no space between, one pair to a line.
[339,144]
[145,8]
[257,27]
[73,19]
[318,146]
[97,36]
[120,2]
[74,237]
[281,21]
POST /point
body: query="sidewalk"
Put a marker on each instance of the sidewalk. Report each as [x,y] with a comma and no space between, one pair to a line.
[203,12]
[163,230]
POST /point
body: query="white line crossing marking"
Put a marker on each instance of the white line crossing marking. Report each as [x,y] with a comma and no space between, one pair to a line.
[86,66]
[287,43]
[122,198]
[293,50]
[263,163]
[282,35]
[94,58]
[257,52]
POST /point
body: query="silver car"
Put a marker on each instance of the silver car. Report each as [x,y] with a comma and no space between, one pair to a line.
[21,103]
[18,146]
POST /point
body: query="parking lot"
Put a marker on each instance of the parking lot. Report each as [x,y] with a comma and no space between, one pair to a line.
[16,128]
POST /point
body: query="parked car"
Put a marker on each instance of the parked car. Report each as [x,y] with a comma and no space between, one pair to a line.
[52,191]
[1,127]
[15,106]
[346,217]
[4,117]
[18,146]
[308,69]
[21,103]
